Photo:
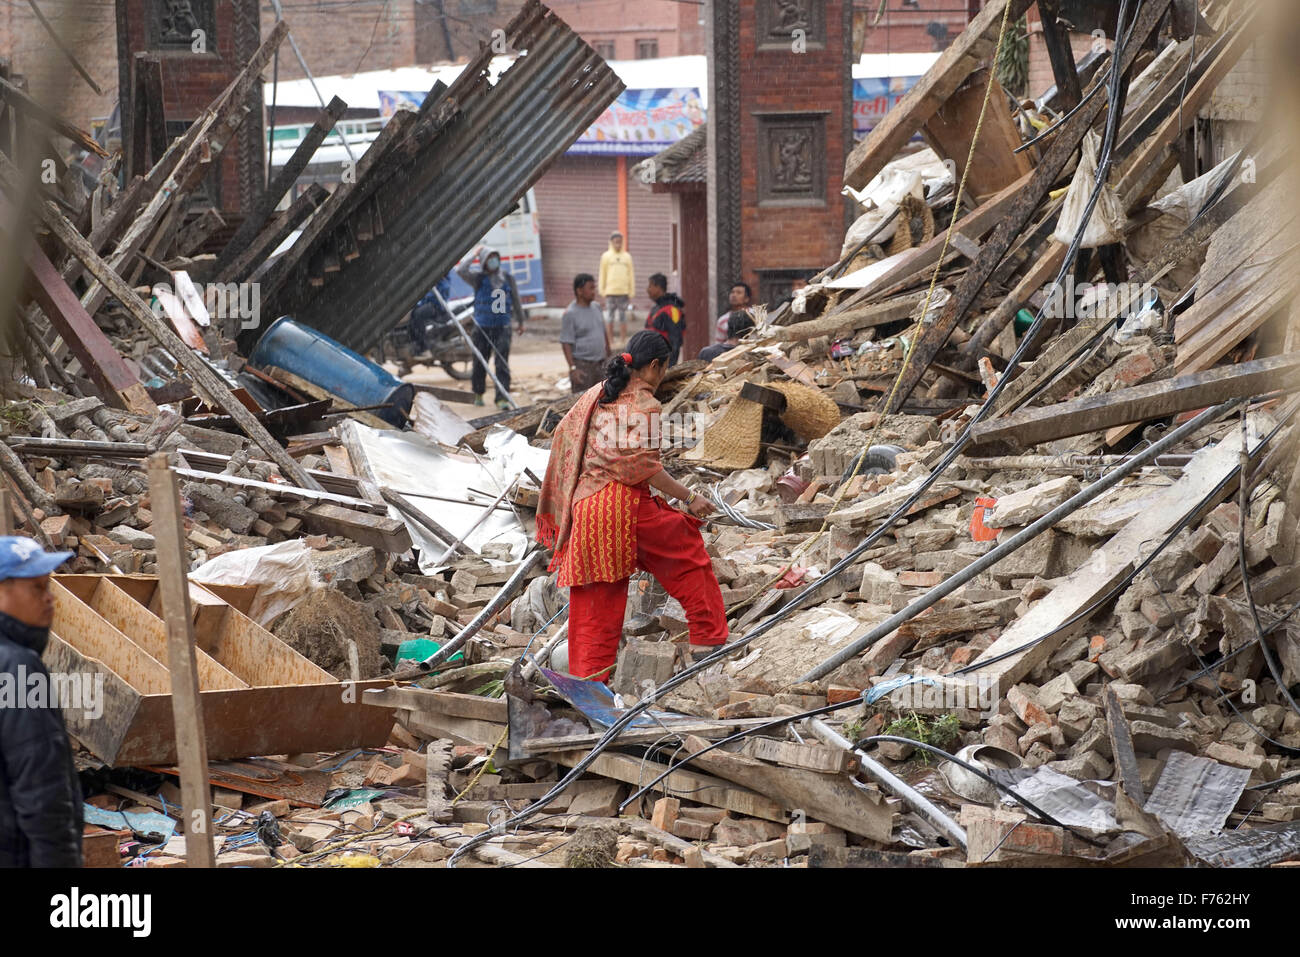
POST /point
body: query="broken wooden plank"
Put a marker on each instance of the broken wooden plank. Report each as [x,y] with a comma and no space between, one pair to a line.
[1121,746]
[284,179]
[951,131]
[201,374]
[809,757]
[1140,403]
[972,48]
[377,531]
[437,760]
[438,702]
[830,798]
[254,253]
[105,366]
[187,708]
[842,322]
[1064,144]
[703,788]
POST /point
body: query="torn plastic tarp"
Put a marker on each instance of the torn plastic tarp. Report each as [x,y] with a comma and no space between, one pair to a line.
[281,572]
[1194,795]
[149,825]
[597,703]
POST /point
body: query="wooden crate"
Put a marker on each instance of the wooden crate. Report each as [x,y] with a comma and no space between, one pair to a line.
[259,696]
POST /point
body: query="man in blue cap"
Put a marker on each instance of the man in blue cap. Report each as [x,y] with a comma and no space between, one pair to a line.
[40,799]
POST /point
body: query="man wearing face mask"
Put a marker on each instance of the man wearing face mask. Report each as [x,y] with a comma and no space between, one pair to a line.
[496,302]
[40,799]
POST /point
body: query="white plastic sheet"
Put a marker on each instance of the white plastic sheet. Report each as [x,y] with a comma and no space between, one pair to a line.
[418,468]
[281,571]
[1108,221]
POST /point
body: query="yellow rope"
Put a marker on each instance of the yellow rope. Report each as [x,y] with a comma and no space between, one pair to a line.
[482,767]
[911,345]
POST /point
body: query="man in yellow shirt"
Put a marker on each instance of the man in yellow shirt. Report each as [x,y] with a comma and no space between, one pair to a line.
[617,283]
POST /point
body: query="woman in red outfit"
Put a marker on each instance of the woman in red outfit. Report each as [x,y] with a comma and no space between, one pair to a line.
[597,515]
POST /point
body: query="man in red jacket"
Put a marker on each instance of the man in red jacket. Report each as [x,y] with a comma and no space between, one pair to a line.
[668,317]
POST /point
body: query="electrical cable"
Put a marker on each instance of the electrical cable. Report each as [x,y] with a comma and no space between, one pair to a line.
[1124,582]
[959,445]
[1083,615]
[1244,509]
[981,772]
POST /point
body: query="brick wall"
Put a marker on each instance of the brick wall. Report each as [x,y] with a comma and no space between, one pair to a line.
[345,38]
[676,26]
[90,30]
[190,82]
[781,81]
[902,29]
[1041,78]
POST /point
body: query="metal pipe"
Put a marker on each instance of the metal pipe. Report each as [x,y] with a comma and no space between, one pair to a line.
[507,594]
[891,782]
[544,656]
[1025,535]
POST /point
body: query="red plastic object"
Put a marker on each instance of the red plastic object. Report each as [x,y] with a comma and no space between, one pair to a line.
[978,530]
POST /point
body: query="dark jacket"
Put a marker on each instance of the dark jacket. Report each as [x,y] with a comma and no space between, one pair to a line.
[668,318]
[40,799]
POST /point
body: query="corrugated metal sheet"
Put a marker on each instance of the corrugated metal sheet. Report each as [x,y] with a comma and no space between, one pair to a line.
[459,170]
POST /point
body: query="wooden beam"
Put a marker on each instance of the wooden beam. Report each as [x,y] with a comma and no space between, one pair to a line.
[831,798]
[1057,40]
[147,140]
[336,207]
[191,237]
[282,183]
[187,707]
[703,788]
[203,377]
[106,368]
[1140,403]
[967,53]
[187,159]
[24,104]
[1064,143]
[377,531]
[253,254]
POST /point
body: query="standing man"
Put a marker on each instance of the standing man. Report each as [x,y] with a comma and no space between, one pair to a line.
[667,317]
[739,299]
[584,336]
[40,799]
[617,282]
[496,301]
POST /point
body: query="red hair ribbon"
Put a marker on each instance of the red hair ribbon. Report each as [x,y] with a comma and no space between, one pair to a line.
[627,357]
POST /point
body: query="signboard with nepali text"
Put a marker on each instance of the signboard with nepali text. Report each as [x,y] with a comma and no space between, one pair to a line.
[875,96]
[642,123]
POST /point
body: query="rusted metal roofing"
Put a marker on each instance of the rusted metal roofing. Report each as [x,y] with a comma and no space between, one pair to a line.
[440,182]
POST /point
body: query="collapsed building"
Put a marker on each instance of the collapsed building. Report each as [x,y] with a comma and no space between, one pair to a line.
[1007,503]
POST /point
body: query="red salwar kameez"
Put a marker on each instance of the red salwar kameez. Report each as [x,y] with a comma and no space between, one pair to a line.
[597,515]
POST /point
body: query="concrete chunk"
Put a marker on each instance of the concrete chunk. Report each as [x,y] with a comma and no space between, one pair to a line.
[1022,508]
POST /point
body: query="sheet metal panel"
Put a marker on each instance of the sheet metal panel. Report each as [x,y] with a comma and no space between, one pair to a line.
[483,145]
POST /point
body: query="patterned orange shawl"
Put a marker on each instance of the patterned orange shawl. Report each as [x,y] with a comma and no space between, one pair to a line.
[592,446]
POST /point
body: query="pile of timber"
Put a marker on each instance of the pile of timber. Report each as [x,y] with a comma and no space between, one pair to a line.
[1037,581]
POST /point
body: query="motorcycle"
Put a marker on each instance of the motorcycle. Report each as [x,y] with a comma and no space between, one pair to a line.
[429,333]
